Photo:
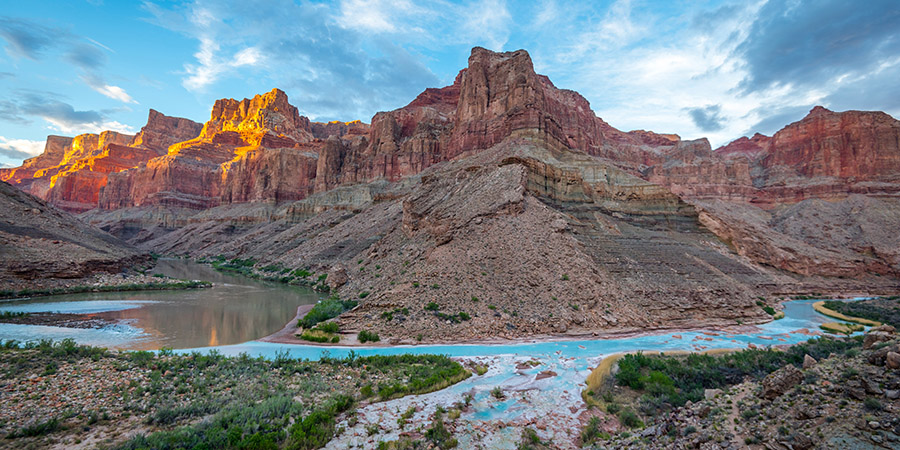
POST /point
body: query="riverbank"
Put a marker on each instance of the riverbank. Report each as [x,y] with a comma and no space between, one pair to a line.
[290,335]
[104,283]
[820,307]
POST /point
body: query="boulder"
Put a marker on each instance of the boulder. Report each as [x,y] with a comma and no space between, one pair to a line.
[874,337]
[809,362]
[780,381]
[337,277]
[892,360]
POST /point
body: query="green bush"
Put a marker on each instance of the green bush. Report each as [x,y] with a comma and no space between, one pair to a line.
[872,403]
[328,327]
[497,393]
[367,336]
[591,433]
[432,306]
[38,428]
[312,336]
[630,419]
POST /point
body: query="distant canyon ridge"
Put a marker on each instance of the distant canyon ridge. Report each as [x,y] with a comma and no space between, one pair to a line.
[504,197]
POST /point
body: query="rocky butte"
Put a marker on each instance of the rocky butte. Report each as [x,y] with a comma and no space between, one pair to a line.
[507,198]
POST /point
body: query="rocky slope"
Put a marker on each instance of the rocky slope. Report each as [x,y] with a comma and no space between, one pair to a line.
[844,400]
[40,244]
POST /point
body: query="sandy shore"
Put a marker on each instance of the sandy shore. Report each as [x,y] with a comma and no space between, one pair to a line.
[287,335]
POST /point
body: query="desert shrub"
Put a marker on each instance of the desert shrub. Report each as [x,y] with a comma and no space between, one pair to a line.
[328,327]
[367,336]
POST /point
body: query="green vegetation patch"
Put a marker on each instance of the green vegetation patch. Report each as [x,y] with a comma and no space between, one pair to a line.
[416,374]
[881,310]
[367,336]
[326,309]
[205,401]
[670,381]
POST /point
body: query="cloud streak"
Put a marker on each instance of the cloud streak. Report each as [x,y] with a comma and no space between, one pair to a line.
[27,39]
[61,115]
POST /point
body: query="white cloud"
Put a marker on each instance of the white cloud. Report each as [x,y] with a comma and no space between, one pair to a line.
[249,56]
[208,70]
[20,147]
[212,67]
[114,92]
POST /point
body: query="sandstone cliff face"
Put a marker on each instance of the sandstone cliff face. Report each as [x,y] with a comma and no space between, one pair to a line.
[72,171]
[497,96]
[162,131]
[825,155]
[24,176]
[253,149]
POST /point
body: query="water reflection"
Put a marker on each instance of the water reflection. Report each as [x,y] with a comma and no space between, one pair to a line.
[237,309]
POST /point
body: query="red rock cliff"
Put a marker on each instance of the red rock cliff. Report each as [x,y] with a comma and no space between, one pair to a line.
[825,155]
[71,171]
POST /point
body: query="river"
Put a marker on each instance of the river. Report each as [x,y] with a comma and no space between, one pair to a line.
[236,309]
[229,317]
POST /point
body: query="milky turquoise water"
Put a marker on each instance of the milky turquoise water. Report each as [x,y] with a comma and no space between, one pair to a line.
[798,315]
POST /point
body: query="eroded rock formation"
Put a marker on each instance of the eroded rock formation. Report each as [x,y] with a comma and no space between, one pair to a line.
[502,190]
[72,171]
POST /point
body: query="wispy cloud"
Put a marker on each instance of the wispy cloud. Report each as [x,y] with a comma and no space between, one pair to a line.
[113,92]
[24,38]
[60,116]
[27,39]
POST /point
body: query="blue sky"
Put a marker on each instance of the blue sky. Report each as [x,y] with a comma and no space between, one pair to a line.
[717,69]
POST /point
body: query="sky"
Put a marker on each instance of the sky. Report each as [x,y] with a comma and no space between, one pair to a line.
[700,68]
